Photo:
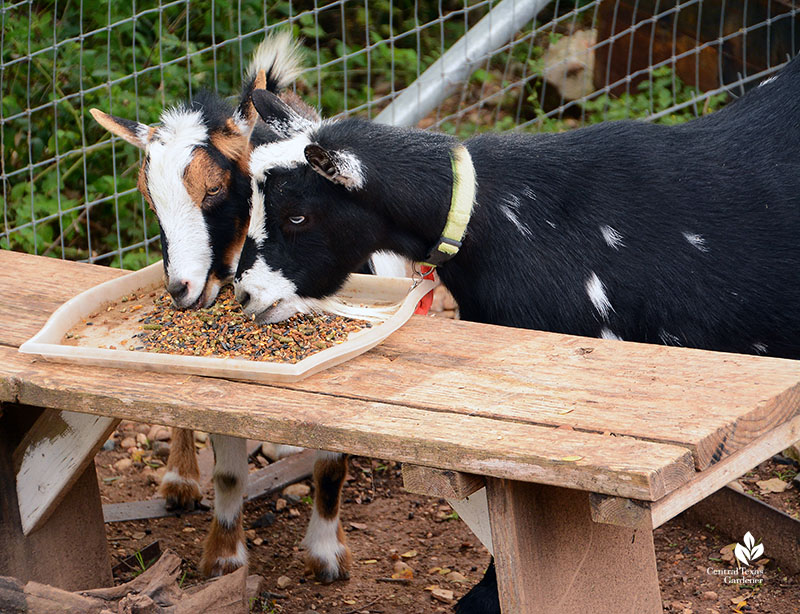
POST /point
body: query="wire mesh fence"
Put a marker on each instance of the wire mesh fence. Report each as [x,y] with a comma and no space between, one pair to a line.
[69,190]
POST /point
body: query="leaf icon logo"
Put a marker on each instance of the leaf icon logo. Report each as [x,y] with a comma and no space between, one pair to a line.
[750,551]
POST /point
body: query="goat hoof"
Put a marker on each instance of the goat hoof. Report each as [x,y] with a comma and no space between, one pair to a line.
[325,573]
[183,497]
[218,567]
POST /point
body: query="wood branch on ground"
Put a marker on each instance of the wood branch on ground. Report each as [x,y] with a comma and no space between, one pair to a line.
[154,591]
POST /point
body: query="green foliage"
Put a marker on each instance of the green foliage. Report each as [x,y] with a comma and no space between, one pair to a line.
[59,159]
[662,91]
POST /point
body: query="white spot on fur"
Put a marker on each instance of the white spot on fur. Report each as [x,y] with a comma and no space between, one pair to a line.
[279,54]
[768,80]
[350,173]
[696,240]
[266,286]
[237,560]
[287,154]
[611,237]
[510,208]
[528,193]
[760,348]
[597,294]
[322,542]
[189,244]
[551,224]
[257,229]
[230,459]
[607,333]
[172,477]
[669,338]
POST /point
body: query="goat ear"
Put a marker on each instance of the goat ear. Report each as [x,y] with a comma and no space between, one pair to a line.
[340,167]
[321,161]
[132,131]
[280,116]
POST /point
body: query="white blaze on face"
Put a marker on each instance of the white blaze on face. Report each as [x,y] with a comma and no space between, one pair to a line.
[181,220]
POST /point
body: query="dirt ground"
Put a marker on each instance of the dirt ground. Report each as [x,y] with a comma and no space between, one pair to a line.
[385,524]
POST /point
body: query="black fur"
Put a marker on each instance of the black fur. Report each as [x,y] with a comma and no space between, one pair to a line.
[705,248]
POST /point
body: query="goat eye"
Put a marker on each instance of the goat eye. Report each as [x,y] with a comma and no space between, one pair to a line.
[213,191]
[297,219]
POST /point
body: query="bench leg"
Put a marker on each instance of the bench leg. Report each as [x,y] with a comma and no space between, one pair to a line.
[551,556]
[69,550]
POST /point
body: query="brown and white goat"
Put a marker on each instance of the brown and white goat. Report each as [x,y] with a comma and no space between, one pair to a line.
[195,177]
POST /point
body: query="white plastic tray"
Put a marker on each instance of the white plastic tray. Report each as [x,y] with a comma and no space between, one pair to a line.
[49,342]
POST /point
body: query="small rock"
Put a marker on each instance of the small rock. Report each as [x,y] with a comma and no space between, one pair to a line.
[151,433]
[442,594]
[258,541]
[189,529]
[161,449]
[128,442]
[456,577]
[138,535]
[109,445]
[163,434]
[283,582]
[298,490]
[775,485]
[123,464]
[141,439]
[250,534]
[737,486]
[294,512]
[200,436]
[710,596]
[359,526]
[151,476]
[280,505]
[142,428]
[266,520]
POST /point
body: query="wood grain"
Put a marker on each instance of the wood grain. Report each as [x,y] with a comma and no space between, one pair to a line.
[625,512]
[551,557]
[440,483]
[51,457]
[711,403]
[589,461]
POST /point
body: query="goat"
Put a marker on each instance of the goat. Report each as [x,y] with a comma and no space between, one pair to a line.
[196,179]
[678,235]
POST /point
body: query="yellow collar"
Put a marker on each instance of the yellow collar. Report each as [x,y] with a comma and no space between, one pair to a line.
[462,202]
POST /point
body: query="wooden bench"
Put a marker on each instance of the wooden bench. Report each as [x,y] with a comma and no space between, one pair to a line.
[584,445]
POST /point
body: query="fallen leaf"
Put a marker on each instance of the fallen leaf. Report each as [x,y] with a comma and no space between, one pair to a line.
[358,525]
[349,601]
[565,411]
[571,459]
[774,485]
[369,562]
[409,555]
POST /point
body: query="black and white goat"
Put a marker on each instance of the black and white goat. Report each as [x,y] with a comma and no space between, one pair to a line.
[682,235]
[195,176]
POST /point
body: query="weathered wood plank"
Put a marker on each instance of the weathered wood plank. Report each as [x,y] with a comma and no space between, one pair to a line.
[41,555]
[623,512]
[440,483]
[551,557]
[613,465]
[51,457]
[33,287]
[712,403]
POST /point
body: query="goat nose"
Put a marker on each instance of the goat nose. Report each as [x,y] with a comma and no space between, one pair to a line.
[178,289]
[244,298]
